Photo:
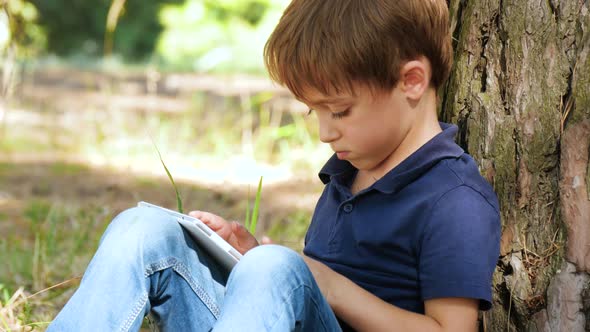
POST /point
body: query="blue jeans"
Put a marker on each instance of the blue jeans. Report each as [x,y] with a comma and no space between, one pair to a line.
[147,263]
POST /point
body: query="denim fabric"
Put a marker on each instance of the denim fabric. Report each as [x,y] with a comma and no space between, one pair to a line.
[147,263]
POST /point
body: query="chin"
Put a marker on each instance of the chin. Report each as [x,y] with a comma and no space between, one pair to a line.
[360,166]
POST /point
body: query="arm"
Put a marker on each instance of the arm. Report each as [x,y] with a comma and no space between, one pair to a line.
[457,256]
[366,312]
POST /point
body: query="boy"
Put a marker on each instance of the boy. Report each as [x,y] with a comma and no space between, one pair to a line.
[405,236]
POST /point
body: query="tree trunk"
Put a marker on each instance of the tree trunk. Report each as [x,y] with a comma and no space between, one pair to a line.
[520,93]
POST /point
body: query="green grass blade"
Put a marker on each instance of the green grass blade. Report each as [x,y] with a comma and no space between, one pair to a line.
[5,323]
[37,324]
[35,270]
[178,198]
[247,219]
[5,295]
[254,219]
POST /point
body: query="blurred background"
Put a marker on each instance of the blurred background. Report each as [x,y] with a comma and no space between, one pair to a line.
[90,90]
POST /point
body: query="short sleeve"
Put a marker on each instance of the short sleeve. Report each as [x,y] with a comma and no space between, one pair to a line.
[459,247]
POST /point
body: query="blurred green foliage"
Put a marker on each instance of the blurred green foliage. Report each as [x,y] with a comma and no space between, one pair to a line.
[221,36]
[76,27]
[19,28]
[202,35]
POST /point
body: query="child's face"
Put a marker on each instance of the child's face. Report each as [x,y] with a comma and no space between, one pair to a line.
[365,128]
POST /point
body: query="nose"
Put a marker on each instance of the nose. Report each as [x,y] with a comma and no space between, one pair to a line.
[328,132]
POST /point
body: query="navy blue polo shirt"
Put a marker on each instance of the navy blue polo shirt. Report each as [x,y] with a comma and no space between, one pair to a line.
[430,228]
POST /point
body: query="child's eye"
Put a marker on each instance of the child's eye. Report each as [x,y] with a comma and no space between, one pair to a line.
[340,115]
[309,112]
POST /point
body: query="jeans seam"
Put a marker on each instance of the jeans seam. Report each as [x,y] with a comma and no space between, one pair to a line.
[321,319]
[136,310]
[183,271]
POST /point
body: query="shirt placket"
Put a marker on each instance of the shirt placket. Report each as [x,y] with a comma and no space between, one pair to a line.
[343,217]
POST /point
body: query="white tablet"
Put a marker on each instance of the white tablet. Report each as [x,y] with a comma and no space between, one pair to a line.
[226,255]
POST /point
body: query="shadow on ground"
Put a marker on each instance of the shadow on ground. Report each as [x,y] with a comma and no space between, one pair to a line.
[80,186]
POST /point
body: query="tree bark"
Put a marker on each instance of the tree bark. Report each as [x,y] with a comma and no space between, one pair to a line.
[520,93]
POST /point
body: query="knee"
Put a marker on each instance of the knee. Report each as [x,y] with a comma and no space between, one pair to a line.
[141,226]
[271,264]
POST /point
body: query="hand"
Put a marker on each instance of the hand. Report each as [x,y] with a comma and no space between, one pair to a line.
[233,232]
[323,275]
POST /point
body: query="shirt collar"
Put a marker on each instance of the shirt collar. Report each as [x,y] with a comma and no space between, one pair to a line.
[440,147]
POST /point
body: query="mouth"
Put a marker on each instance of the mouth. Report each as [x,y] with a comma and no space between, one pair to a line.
[342,154]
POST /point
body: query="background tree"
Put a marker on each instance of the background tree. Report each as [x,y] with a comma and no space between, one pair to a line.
[79,26]
[188,35]
[20,38]
[520,93]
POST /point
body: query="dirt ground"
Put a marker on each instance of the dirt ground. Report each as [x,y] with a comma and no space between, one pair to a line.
[77,185]
[66,94]
[45,128]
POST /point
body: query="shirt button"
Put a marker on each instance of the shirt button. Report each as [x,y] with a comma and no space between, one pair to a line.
[347,207]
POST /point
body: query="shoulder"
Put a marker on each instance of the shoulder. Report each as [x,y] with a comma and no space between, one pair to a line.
[460,182]
[463,205]
[459,242]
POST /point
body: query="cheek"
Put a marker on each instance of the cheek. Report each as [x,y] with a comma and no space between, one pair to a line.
[370,140]
[381,136]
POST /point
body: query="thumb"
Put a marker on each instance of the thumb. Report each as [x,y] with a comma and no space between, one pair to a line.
[266,240]
[240,231]
[244,240]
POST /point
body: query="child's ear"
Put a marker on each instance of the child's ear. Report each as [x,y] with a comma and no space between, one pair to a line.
[414,78]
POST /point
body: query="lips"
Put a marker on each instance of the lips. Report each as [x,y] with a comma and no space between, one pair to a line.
[342,154]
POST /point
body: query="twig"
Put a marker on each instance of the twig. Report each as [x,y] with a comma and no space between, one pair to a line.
[54,286]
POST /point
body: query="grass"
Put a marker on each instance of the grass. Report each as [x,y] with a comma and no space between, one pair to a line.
[55,247]
[41,269]
[17,144]
[178,197]
[205,131]
[51,241]
[14,310]
[54,242]
[251,219]
[67,168]
[290,230]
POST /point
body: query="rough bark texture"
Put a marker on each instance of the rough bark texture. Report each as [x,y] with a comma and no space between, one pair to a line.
[520,93]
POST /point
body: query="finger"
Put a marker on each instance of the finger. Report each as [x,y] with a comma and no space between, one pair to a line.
[240,231]
[214,221]
[266,240]
[245,240]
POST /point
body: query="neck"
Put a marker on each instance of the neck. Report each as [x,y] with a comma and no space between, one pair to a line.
[424,127]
